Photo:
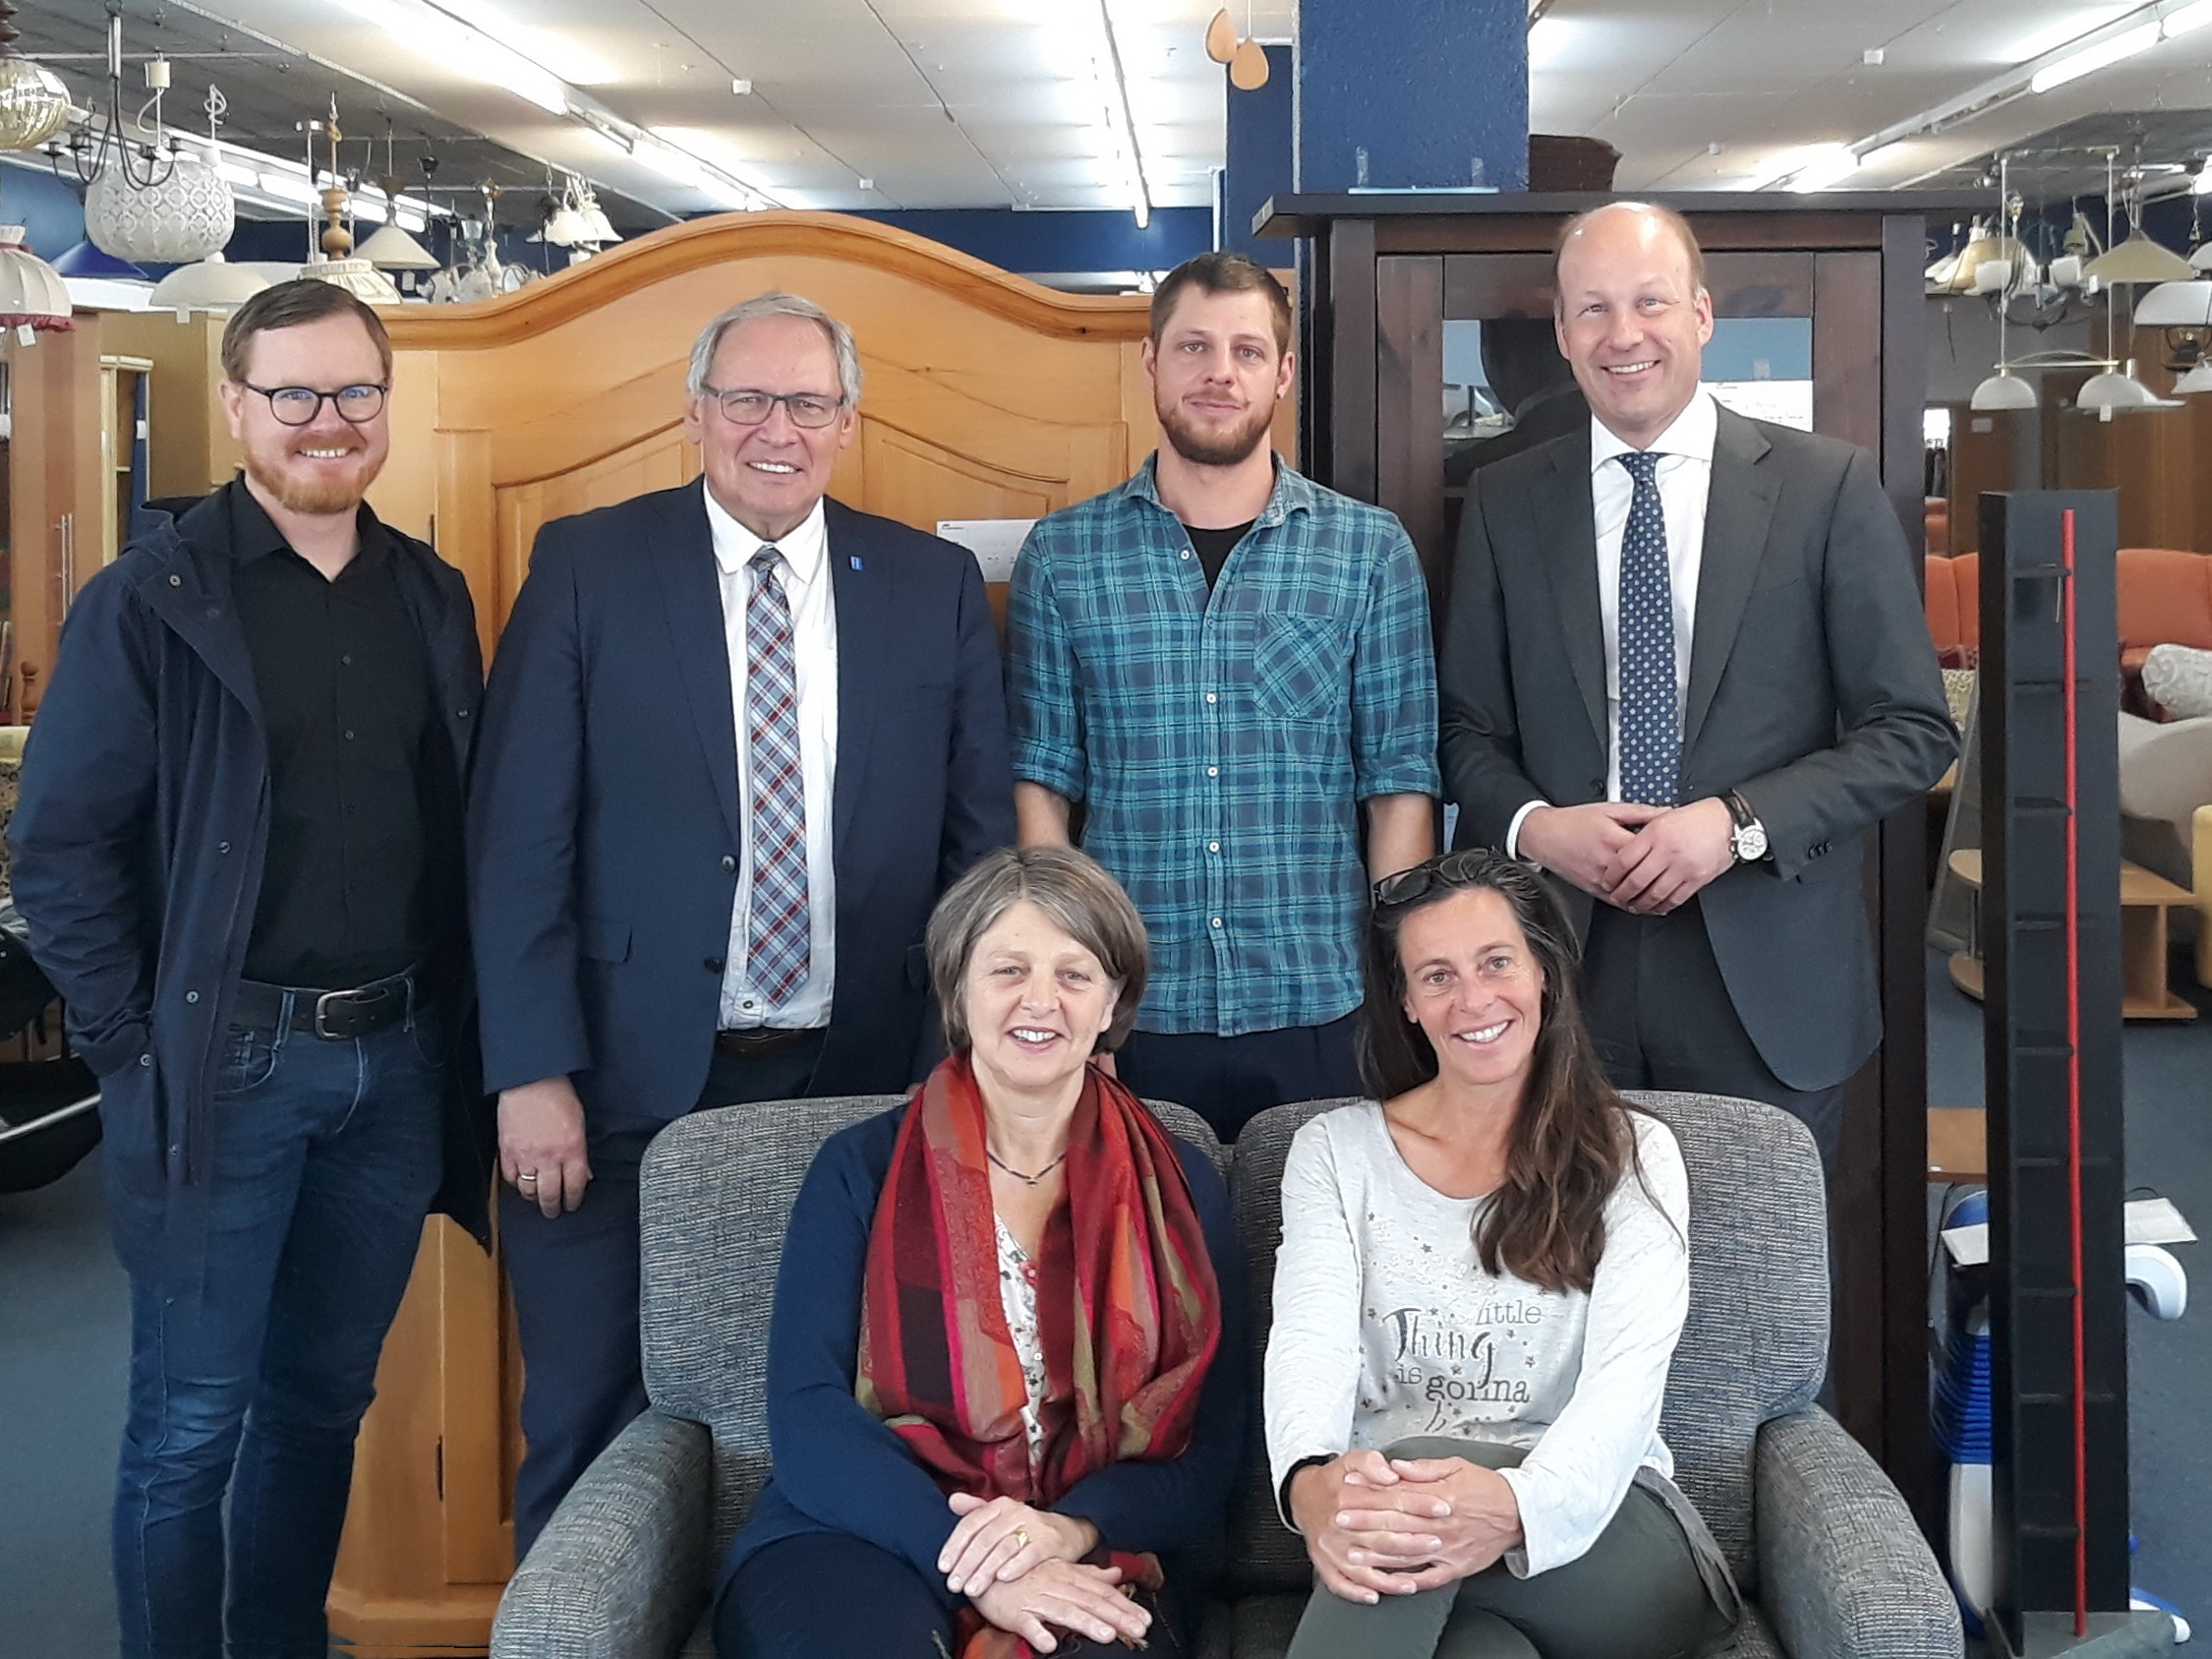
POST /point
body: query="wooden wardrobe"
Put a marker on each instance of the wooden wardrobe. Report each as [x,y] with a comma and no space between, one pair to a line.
[985,396]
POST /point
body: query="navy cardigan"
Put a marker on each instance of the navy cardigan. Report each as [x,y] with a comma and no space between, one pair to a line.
[839,1469]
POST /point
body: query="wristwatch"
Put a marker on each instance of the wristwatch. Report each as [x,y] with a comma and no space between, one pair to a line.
[1748,839]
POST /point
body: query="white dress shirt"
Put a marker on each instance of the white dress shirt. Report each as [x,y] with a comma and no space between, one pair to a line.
[1685,480]
[814,650]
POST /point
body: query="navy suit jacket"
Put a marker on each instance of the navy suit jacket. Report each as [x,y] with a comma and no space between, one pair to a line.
[1813,688]
[604,824]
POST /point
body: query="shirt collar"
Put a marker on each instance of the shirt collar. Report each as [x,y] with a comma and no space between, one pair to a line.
[1292,492]
[255,535]
[1691,434]
[805,551]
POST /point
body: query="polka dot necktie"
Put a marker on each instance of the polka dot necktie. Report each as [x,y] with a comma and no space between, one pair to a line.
[780,942]
[1651,720]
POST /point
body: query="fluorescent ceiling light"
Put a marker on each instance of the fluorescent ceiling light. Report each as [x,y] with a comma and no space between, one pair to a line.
[666,152]
[468,52]
[2187,18]
[554,53]
[1831,164]
[715,152]
[290,187]
[235,173]
[2126,45]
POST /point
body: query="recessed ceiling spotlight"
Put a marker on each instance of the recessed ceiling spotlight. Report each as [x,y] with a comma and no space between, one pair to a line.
[1872,57]
[742,89]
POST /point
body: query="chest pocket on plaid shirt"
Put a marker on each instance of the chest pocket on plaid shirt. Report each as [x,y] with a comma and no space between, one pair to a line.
[1298,667]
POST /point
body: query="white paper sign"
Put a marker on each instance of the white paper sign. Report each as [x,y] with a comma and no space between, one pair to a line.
[994,542]
[2147,1221]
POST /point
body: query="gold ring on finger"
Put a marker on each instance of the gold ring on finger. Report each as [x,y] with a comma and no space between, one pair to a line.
[1022,1536]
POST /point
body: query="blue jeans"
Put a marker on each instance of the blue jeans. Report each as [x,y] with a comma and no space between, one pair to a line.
[252,1365]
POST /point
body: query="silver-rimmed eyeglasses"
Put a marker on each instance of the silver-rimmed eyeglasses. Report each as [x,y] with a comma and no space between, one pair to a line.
[298,405]
[743,406]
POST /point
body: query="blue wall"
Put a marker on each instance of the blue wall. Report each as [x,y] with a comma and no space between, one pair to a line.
[1072,240]
[1260,163]
[47,209]
[1423,88]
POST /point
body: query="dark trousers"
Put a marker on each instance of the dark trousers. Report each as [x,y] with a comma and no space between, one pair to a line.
[831,1592]
[254,1354]
[1636,1593]
[575,1285]
[1230,1079]
[1660,1017]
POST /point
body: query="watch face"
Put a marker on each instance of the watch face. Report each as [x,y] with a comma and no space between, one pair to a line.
[1751,842]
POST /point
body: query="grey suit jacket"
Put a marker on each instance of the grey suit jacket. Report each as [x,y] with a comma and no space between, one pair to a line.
[1813,688]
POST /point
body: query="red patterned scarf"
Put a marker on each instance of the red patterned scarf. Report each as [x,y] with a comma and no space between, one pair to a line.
[1128,1313]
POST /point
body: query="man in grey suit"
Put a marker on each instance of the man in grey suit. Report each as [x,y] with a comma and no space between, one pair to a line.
[1684,668]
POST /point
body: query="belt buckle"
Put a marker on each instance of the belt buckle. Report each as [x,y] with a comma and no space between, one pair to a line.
[323,1014]
[358,998]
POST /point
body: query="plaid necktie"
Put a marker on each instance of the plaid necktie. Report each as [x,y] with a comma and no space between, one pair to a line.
[779,944]
[1650,721]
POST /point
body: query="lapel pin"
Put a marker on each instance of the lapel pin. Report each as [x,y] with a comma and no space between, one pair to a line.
[856,565]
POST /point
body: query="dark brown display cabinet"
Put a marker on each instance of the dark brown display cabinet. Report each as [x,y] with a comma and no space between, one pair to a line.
[1426,323]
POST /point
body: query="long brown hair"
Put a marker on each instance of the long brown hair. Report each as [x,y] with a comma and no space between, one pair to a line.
[1572,1140]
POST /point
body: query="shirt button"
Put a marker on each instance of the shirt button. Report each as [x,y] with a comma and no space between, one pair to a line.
[748,1005]
[349,736]
[174,581]
[1186,553]
[1213,846]
[1217,921]
[223,845]
[192,996]
[147,1060]
[728,863]
[713,963]
[461,713]
[345,659]
[1211,698]
[1213,771]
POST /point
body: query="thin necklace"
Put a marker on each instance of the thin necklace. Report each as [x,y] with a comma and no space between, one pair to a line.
[1019,1175]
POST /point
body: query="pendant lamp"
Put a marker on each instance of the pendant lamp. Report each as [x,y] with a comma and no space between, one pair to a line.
[31,296]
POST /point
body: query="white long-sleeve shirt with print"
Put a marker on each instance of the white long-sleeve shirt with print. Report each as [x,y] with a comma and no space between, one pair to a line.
[1386,1327]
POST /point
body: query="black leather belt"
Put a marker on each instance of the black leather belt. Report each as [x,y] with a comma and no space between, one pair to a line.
[335,1016]
[754,1043]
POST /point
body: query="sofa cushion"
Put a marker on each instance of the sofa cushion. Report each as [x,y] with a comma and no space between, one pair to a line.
[2179,679]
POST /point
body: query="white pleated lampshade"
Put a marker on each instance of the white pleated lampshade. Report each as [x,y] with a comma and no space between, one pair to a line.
[207,284]
[31,295]
[357,277]
[2119,391]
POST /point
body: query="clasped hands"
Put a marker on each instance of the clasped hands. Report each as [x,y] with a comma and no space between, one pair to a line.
[1650,859]
[1025,1570]
[1377,1527]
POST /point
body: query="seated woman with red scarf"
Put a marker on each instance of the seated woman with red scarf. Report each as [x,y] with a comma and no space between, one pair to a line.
[1006,1371]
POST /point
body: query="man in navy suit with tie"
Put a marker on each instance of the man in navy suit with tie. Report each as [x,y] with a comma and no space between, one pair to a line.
[736,741]
[1685,668]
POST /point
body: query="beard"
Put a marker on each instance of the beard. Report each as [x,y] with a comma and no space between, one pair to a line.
[311,495]
[1216,445]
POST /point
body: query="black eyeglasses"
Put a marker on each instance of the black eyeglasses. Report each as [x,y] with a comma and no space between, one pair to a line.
[298,405]
[743,406]
[1450,870]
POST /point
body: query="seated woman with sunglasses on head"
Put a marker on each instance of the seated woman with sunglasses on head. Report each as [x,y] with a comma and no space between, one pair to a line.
[1005,1368]
[1480,1288]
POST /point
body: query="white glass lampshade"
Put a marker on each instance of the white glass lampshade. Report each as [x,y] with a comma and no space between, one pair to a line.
[210,284]
[393,249]
[31,295]
[2117,391]
[34,104]
[596,228]
[2197,381]
[2177,305]
[565,230]
[357,277]
[2004,390]
[187,215]
[2140,260]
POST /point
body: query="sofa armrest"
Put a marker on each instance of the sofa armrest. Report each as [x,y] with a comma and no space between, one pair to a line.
[1844,1572]
[620,1571]
[2201,883]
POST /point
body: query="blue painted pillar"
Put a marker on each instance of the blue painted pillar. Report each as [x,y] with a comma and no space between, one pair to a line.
[1397,94]
[1260,160]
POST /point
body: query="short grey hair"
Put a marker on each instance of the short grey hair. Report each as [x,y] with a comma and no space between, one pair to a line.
[1074,892]
[841,345]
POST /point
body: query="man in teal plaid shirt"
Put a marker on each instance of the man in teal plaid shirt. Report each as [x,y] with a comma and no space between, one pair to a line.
[1225,663]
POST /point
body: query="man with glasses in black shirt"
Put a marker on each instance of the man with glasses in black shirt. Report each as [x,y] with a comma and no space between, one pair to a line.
[239,852]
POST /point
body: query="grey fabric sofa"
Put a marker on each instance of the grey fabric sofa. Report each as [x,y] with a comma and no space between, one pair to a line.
[1823,1547]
